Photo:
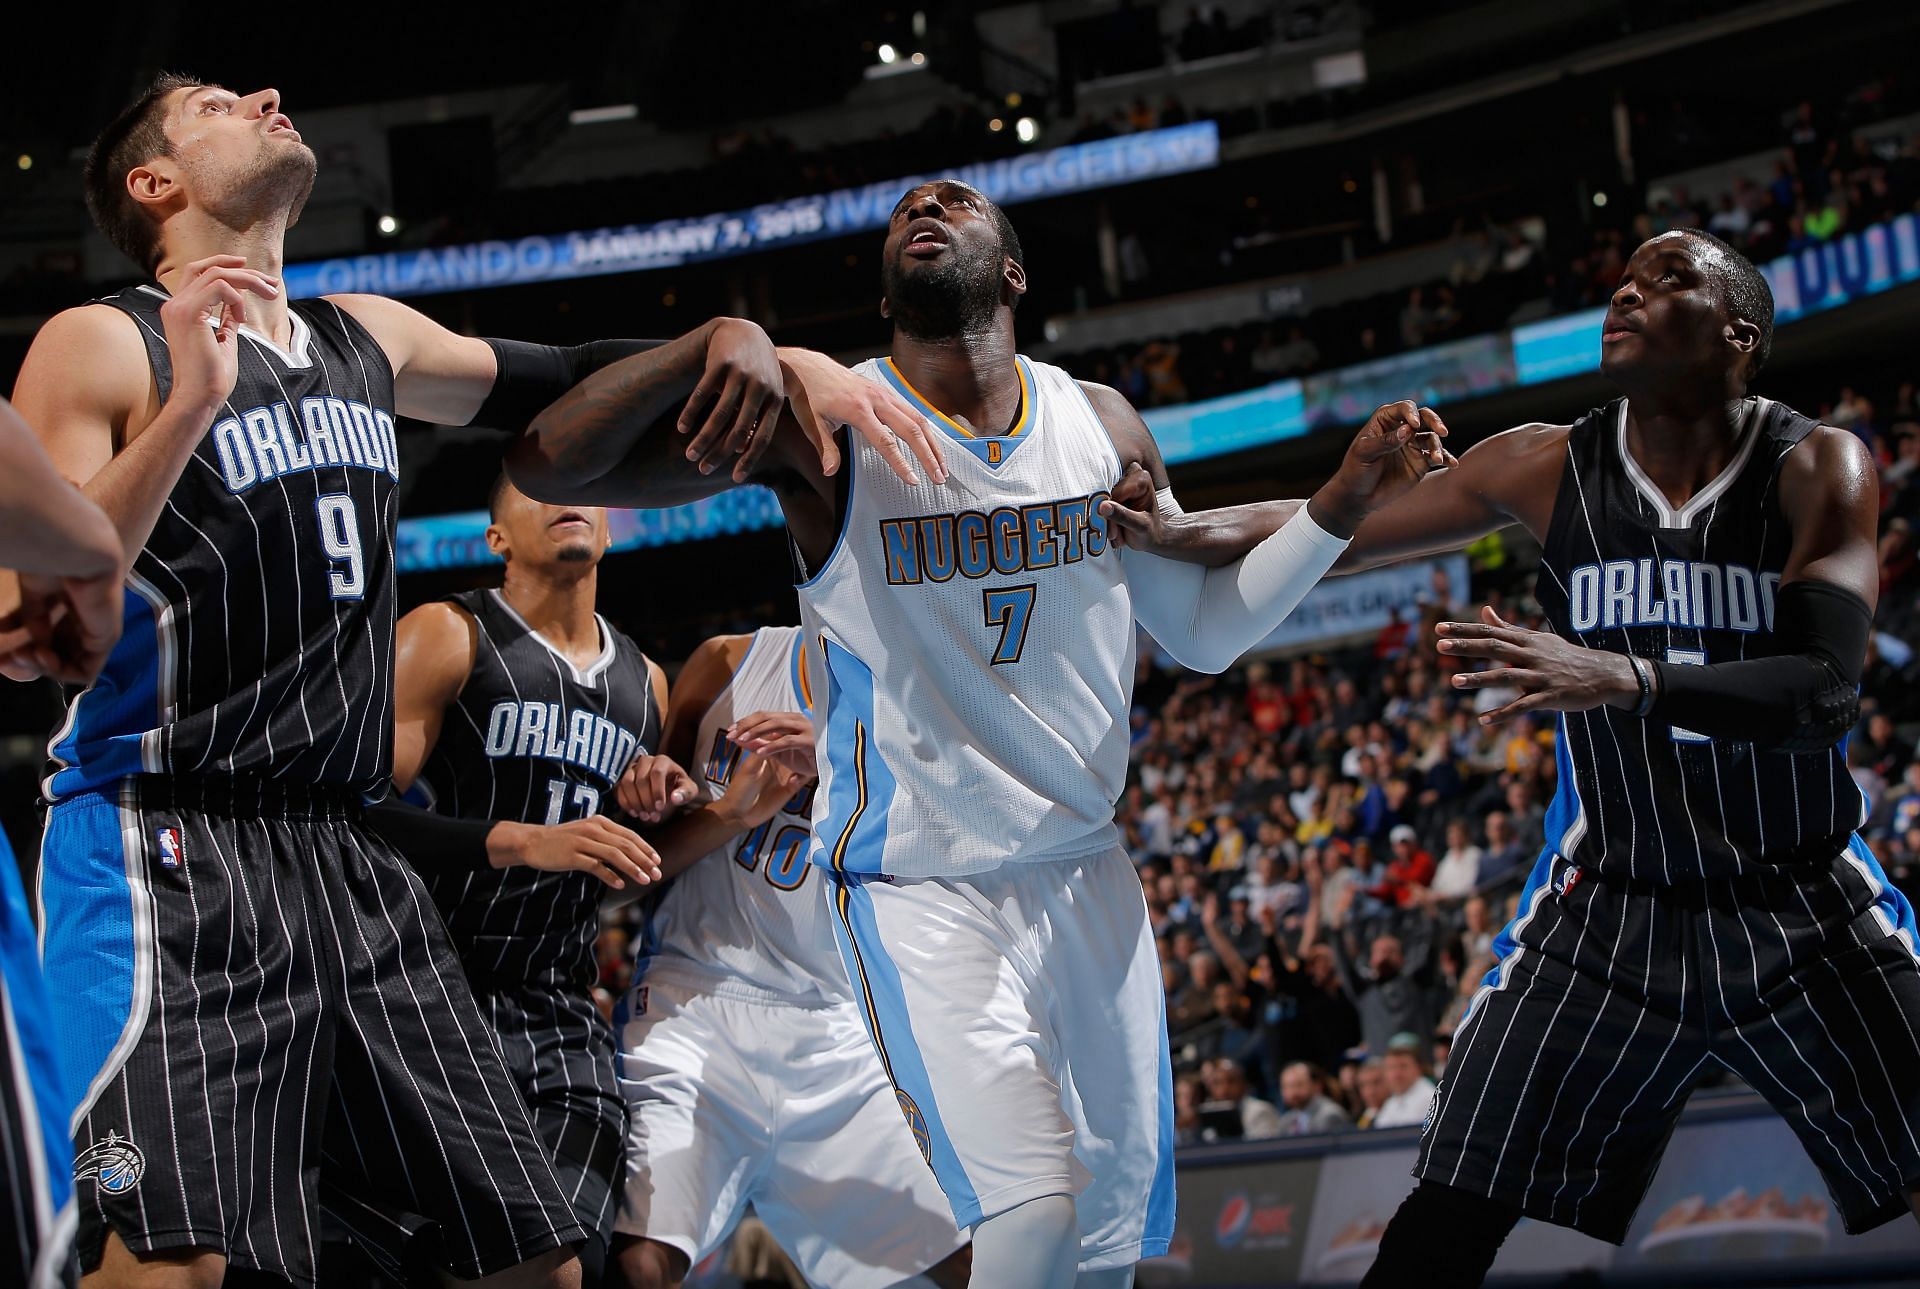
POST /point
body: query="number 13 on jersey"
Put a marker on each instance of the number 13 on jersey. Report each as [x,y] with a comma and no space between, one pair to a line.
[1010,608]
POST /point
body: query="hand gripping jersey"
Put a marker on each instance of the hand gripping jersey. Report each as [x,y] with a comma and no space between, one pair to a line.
[748,921]
[258,636]
[975,643]
[1623,570]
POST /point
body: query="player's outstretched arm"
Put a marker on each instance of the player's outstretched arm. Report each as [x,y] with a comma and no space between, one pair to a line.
[1145,516]
[1803,697]
[1207,617]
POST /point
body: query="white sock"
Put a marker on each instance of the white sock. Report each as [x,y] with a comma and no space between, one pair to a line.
[1035,1245]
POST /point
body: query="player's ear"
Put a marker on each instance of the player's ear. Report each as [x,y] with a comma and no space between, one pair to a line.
[153,183]
[886,310]
[1742,335]
[497,540]
[1015,279]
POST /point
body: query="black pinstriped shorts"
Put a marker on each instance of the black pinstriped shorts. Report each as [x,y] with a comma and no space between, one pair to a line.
[1578,1054]
[294,997]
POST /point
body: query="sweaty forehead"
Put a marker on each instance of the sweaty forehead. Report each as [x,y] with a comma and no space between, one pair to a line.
[1677,248]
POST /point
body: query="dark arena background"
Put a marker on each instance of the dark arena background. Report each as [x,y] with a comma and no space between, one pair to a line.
[1258,220]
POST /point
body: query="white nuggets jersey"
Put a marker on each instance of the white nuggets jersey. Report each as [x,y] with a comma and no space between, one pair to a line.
[749,920]
[976,648]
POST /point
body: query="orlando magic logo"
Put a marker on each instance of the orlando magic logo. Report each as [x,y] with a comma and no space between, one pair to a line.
[917,1123]
[115,1163]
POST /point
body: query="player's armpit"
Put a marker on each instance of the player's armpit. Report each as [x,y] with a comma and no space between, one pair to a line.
[433,656]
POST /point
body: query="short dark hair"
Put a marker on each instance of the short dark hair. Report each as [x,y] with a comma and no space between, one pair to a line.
[497,496]
[1743,290]
[132,138]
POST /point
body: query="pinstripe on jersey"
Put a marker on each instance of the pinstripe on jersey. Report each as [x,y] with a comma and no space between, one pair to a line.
[1623,570]
[533,738]
[259,616]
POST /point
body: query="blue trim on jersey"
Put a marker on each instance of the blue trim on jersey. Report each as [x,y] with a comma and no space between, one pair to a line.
[991,450]
[102,742]
[1507,942]
[1888,900]
[91,952]
[890,1025]
[851,464]
[38,1051]
[852,835]
[1565,808]
[1157,1232]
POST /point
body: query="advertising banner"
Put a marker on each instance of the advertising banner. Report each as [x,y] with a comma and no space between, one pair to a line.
[632,248]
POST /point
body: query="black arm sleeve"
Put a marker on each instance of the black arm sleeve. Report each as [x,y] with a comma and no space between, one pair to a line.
[430,841]
[532,377]
[1804,698]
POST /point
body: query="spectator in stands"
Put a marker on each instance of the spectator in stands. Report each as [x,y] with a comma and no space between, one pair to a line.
[1410,870]
[1227,1084]
[1409,1090]
[1371,1088]
[1188,1094]
[1391,992]
[1459,869]
[1306,1109]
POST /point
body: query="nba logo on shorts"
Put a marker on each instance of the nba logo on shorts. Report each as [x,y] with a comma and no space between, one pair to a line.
[1565,880]
[172,853]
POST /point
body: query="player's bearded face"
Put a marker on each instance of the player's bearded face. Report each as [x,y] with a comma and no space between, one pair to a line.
[951,295]
[242,175]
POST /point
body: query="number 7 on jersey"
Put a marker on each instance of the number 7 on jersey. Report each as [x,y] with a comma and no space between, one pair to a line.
[1010,608]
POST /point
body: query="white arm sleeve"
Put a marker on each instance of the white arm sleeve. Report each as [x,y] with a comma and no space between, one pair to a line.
[1207,617]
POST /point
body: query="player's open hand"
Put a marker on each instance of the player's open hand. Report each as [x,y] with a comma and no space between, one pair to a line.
[62,628]
[1552,674]
[653,787]
[1395,449]
[827,396]
[733,410]
[595,845]
[785,738]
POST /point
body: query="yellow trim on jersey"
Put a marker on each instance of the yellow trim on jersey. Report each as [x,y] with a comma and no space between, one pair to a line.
[866,989]
[1026,404]
[806,685]
[860,803]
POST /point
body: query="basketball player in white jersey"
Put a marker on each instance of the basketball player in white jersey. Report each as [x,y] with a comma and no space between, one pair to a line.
[748,1072]
[974,653]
